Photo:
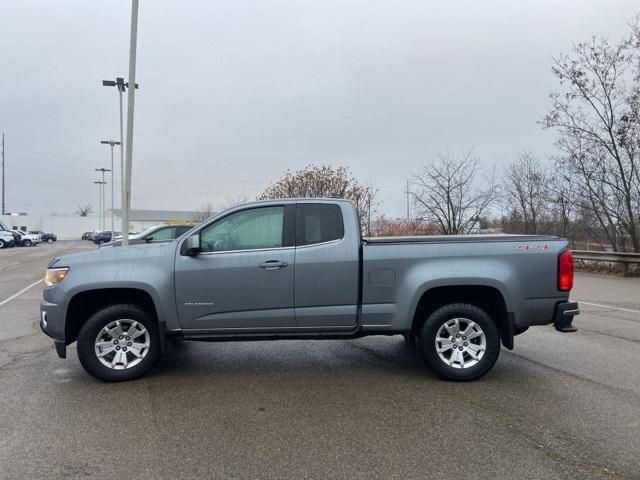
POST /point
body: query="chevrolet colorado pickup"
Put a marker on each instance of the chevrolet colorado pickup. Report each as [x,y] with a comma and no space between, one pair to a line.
[299,269]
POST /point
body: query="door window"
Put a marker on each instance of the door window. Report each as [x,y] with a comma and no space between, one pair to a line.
[180,229]
[252,229]
[318,223]
[163,234]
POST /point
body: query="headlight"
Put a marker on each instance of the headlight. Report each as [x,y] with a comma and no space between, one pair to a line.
[53,276]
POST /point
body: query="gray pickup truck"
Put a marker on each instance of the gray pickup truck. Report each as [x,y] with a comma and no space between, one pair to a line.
[299,269]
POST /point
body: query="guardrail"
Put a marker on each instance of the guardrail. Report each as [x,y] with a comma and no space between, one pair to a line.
[617,257]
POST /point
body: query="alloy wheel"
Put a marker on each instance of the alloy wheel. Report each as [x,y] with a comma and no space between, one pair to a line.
[460,343]
[122,344]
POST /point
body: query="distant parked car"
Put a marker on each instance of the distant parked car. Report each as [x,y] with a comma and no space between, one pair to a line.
[159,233]
[26,239]
[92,235]
[45,237]
[6,239]
[104,237]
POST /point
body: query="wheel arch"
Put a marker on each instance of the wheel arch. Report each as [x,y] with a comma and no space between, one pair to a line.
[85,303]
[487,297]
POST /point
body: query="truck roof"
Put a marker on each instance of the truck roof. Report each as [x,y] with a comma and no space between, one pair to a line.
[296,200]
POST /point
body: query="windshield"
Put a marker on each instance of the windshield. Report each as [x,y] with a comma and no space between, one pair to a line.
[144,233]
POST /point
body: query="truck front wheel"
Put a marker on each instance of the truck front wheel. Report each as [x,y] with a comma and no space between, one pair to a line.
[459,342]
[119,342]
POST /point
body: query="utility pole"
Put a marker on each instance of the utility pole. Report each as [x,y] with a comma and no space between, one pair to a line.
[121,86]
[3,210]
[111,143]
[407,192]
[103,170]
[130,106]
[100,195]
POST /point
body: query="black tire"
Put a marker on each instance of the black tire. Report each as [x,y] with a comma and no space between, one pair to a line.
[427,342]
[49,240]
[3,244]
[27,243]
[102,318]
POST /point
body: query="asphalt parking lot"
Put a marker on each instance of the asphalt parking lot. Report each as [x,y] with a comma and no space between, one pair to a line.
[558,406]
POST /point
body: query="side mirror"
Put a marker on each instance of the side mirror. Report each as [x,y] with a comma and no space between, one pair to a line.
[191,246]
[148,239]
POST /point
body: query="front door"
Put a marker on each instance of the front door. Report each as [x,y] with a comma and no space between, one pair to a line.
[243,277]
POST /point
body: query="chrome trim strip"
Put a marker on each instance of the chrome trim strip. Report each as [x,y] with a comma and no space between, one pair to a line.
[247,250]
[338,240]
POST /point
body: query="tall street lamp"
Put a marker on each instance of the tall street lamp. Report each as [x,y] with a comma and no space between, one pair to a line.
[112,143]
[121,85]
[100,184]
[126,190]
[103,170]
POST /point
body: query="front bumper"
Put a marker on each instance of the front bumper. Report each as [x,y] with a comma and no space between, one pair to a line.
[563,316]
[52,324]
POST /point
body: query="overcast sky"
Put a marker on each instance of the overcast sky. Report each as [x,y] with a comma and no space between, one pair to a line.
[235,92]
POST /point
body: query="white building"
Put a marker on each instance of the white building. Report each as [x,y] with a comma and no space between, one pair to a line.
[72,227]
[142,219]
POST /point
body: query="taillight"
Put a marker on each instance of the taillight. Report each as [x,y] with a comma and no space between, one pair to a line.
[565,271]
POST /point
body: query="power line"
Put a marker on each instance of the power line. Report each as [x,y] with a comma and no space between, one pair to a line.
[171,181]
[85,160]
[84,179]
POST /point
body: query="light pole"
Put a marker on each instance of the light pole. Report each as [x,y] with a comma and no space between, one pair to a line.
[3,212]
[112,143]
[100,202]
[121,85]
[103,170]
[131,95]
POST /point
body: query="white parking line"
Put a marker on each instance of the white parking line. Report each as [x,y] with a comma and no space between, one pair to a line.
[19,293]
[599,305]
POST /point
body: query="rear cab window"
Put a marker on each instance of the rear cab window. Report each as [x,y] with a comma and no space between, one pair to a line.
[318,223]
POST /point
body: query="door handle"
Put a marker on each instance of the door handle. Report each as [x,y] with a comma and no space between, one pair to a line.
[273,264]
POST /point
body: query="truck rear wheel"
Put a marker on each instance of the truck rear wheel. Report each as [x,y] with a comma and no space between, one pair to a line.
[118,343]
[459,342]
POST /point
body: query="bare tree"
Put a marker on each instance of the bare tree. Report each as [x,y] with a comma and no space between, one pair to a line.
[401,227]
[329,182]
[233,201]
[453,192]
[526,187]
[203,212]
[84,210]
[596,116]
